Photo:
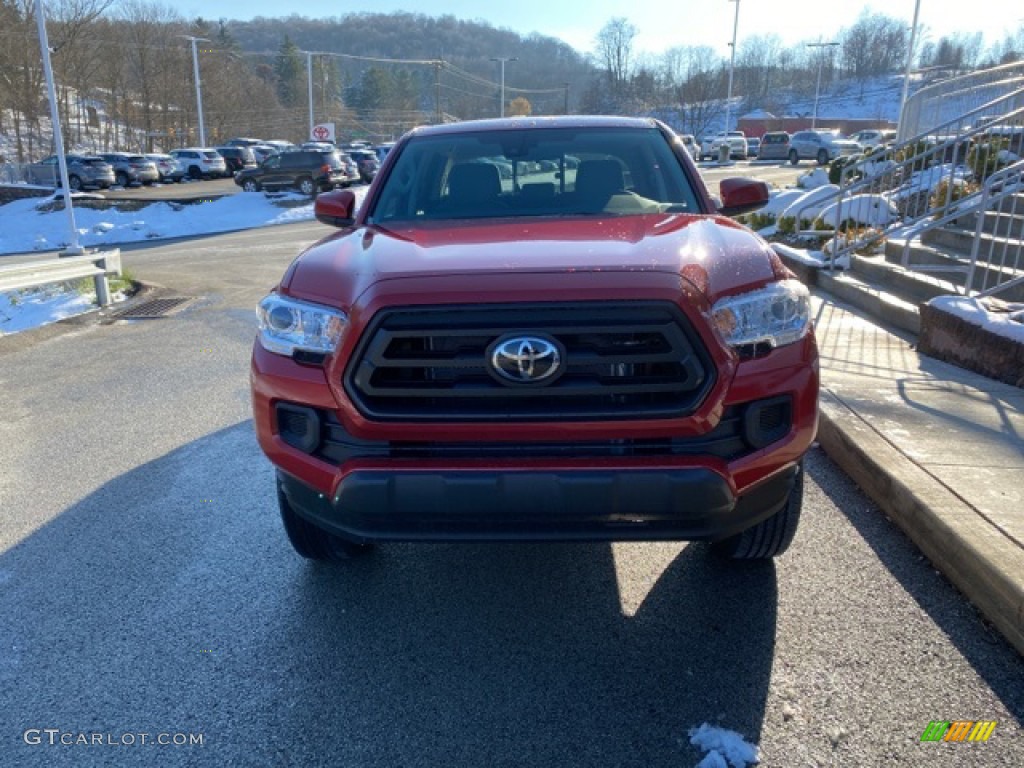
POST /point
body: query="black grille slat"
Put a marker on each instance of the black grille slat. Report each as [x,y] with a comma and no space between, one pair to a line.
[622,360]
[724,441]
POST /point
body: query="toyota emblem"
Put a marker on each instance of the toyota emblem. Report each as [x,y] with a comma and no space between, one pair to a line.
[526,360]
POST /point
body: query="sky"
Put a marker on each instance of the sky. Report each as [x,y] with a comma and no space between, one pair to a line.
[661,24]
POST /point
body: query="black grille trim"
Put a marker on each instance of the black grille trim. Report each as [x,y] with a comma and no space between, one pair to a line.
[627,360]
[726,441]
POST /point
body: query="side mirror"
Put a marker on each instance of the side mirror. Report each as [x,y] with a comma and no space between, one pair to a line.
[336,208]
[740,195]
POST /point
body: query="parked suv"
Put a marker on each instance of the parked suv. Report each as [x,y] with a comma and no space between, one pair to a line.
[366,162]
[597,355]
[201,162]
[83,171]
[308,170]
[131,169]
[823,146]
[774,146]
[737,141]
[237,158]
[690,142]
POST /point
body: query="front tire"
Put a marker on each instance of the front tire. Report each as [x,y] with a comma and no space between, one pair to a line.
[307,186]
[794,158]
[250,186]
[74,182]
[822,157]
[312,542]
[770,537]
[121,179]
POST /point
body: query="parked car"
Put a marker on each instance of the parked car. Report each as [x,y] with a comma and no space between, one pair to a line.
[237,158]
[383,149]
[753,146]
[366,162]
[690,142]
[774,146]
[243,142]
[262,151]
[351,168]
[280,145]
[558,359]
[872,138]
[307,170]
[822,146]
[84,171]
[737,141]
[131,169]
[169,169]
[201,162]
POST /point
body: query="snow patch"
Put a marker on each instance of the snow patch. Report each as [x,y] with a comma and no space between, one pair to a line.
[723,746]
[810,204]
[1008,322]
[867,210]
[813,179]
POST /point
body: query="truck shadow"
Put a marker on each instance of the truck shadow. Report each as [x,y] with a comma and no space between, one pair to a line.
[168,600]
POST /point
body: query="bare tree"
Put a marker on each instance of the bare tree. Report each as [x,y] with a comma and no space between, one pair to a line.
[614,45]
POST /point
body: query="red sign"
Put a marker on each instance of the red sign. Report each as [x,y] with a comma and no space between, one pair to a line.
[320,133]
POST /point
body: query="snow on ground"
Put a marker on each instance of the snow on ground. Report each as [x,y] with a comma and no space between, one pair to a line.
[810,204]
[1009,323]
[724,748]
[868,210]
[39,306]
[27,225]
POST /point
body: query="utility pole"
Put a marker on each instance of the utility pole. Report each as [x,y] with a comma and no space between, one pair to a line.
[199,88]
[566,99]
[502,61]
[906,74]
[309,83]
[437,88]
[732,64]
[817,89]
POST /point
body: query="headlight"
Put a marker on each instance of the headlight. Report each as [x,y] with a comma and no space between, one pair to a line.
[287,326]
[777,314]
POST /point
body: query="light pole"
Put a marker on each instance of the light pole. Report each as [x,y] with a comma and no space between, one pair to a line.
[503,60]
[817,89]
[732,64]
[309,81]
[199,89]
[906,74]
[74,248]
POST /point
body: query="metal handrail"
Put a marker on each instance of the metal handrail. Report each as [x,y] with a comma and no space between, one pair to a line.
[1005,184]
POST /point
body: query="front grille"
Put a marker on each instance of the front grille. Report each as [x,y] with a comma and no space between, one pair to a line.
[622,361]
[726,441]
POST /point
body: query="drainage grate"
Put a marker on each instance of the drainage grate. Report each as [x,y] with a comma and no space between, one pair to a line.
[153,308]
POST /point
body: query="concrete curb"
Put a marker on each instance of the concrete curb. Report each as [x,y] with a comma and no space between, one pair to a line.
[979,559]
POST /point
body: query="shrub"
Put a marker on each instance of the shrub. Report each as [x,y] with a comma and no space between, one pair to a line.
[786,225]
[983,158]
[961,189]
[835,169]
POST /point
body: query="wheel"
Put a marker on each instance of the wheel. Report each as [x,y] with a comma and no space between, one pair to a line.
[794,158]
[250,185]
[74,182]
[315,543]
[770,537]
[822,157]
[121,179]
[195,172]
[306,186]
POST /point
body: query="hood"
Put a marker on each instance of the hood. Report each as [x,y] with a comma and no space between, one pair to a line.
[715,254]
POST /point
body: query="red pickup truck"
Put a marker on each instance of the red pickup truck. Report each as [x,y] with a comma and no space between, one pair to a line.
[538,329]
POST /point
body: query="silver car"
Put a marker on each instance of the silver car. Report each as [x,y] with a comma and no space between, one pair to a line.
[823,146]
[83,171]
[131,169]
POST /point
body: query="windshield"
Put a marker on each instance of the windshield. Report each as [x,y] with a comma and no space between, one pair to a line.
[535,172]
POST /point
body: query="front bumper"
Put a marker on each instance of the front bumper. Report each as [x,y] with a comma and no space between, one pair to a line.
[692,503]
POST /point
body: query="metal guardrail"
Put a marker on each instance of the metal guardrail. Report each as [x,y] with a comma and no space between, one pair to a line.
[61,270]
